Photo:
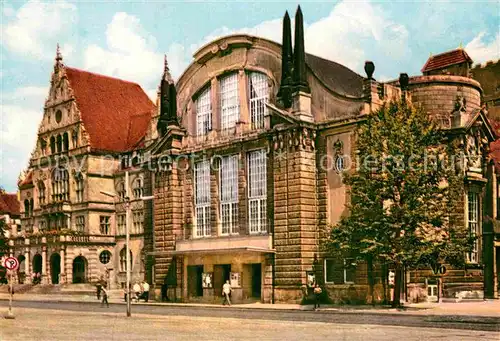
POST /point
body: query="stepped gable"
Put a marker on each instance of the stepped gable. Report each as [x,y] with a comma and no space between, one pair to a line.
[115,113]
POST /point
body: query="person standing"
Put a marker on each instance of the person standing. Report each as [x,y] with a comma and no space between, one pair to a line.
[104,295]
[226,292]
[317,293]
[99,288]
[145,293]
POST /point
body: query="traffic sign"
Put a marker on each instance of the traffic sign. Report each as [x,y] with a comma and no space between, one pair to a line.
[11,263]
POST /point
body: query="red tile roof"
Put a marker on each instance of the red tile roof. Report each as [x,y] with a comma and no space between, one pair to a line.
[28,180]
[115,113]
[9,204]
[445,59]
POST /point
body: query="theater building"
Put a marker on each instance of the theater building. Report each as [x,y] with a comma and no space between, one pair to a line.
[253,140]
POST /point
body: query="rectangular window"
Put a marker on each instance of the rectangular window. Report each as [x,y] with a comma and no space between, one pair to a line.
[120,224]
[257,191]
[104,224]
[80,224]
[340,271]
[229,194]
[202,198]
[138,218]
[203,113]
[259,95]
[229,101]
[473,224]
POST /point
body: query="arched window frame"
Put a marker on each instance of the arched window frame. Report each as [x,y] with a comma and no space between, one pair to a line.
[60,184]
[121,191]
[41,193]
[123,259]
[138,188]
[52,145]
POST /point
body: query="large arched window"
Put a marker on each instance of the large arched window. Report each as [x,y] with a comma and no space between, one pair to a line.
[60,184]
[138,188]
[123,260]
[259,94]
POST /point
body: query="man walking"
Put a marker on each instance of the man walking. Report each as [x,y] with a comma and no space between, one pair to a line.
[317,295]
[226,292]
[104,294]
[145,293]
[137,291]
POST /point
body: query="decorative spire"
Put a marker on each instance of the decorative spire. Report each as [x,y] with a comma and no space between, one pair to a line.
[59,57]
[168,101]
[299,54]
[286,63]
[166,71]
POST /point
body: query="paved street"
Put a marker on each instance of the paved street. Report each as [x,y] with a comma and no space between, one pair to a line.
[102,324]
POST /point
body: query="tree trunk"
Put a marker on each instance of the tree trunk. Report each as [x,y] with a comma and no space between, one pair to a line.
[370,278]
[396,299]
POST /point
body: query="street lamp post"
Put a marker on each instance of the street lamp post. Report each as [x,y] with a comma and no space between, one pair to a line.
[127,234]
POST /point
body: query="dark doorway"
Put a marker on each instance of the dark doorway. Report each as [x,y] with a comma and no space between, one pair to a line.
[222,272]
[195,280]
[37,263]
[79,270]
[256,280]
[55,268]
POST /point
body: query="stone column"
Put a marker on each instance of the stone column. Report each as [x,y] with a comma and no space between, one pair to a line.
[62,275]
[44,264]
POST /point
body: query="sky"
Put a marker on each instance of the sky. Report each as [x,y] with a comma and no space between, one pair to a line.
[127,39]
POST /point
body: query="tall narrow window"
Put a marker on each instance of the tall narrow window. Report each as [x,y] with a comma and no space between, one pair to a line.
[80,223]
[65,142]
[41,193]
[120,225]
[79,188]
[52,145]
[202,199]
[203,113]
[60,185]
[26,208]
[104,224]
[229,194]
[259,95]
[138,219]
[473,223]
[59,143]
[229,101]
[257,191]
[123,259]
[138,188]
[121,191]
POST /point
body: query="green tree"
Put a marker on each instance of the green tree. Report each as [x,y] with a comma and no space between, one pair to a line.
[403,194]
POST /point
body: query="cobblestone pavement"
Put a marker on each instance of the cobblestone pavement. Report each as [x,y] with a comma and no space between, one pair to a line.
[54,325]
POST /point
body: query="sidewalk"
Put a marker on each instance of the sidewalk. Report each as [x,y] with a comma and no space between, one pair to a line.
[490,308]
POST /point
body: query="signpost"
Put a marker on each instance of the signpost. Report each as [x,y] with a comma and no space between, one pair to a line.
[11,264]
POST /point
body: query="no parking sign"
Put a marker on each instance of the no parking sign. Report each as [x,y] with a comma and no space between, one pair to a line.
[11,263]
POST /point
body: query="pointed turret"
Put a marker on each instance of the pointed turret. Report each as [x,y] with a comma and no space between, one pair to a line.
[299,55]
[168,100]
[284,92]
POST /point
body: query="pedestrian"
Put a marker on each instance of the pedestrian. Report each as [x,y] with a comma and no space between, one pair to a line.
[226,292]
[317,293]
[137,291]
[164,292]
[98,288]
[145,291]
[104,297]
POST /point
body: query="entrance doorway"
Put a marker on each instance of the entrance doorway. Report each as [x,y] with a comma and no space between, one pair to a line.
[195,287]
[55,268]
[20,271]
[256,280]
[222,272]
[79,270]
[37,263]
